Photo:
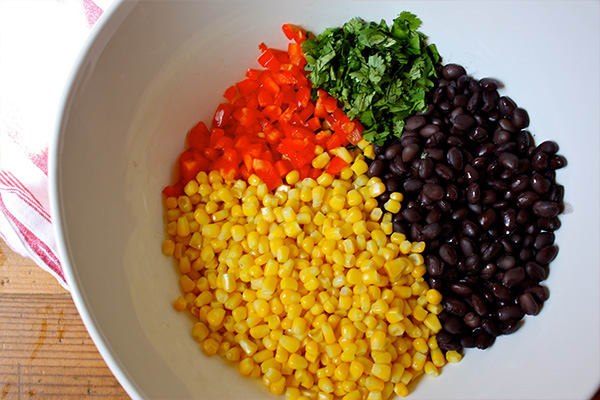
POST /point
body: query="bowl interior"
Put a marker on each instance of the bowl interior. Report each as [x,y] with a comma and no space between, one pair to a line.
[155,68]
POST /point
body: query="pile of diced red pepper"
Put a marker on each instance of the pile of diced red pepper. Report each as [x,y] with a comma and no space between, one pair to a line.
[269,124]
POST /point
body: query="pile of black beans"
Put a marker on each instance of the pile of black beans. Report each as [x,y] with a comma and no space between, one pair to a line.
[485,200]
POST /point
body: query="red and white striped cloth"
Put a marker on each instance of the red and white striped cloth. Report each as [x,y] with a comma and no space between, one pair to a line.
[39,41]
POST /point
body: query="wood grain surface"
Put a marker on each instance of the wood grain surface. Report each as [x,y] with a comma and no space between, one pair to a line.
[45,351]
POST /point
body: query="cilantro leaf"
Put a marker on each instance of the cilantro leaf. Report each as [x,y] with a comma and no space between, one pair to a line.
[380,74]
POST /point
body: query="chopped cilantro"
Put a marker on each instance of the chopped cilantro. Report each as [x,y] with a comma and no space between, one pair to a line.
[380,74]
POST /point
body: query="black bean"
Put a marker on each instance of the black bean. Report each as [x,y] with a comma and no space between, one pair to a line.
[452,192]
[431,231]
[452,71]
[509,218]
[460,289]
[410,152]
[528,304]
[473,263]
[507,125]
[539,161]
[471,174]
[520,183]
[463,122]
[392,151]
[540,184]
[508,327]
[425,168]
[547,254]
[433,215]
[479,304]
[454,325]
[467,246]
[448,254]
[490,98]
[428,130]
[501,137]
[436,154]
[491,252]
[509,160]
[527,198]
[513,276]
[453,345]
[501,292]
[539,292]
[474,101]
[535,271]
[488,84]
[548,147]
[473,193]
[411,215]
[506,105]
[434,192]
[543,239]
[479,134]
[520,118]
[376,168]
[506,262]
[557,193]
[470,228]
[483,340]
[546,209]
[459,214]
[485,150]
[557,162]
[490,326]
[413,185]
[444,171]
[434,266]
[510,312]
[472,320]
[455,158]
[415,122]
[455,306]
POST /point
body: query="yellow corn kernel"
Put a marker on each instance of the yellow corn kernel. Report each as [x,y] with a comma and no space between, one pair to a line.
[373,384]
[435,308]
[437,357]
[453,356]
[400,389]
[378,340]
[346,174]
[180,304]
[420,345]
[381,371]
[292,177]
[210,346]
[168,247]
[433,296]
[321,160]
[215,317]
[370,204]
[431,369]
[296,361]
[432,323]
[369,152]
[392,206]
[419,313]
[325,179]
[183,227]
[419,361]
[359,167]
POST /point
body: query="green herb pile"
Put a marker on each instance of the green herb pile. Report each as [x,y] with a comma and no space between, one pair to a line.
[381,74]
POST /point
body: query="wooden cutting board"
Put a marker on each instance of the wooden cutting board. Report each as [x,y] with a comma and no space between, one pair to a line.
[45,351]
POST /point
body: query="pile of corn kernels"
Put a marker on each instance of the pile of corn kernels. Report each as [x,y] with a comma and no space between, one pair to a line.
[307,287]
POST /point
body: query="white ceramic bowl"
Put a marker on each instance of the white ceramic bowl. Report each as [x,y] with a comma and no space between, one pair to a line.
[152,69]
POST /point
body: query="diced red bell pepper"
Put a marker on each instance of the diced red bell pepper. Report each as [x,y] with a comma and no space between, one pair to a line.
[336,140]
[303,97]
[304,171]
[320,111]
[223,142]
[247,86]
[272,112]
[273,136]
[314,124]
[269,84]
[283,167]
[296,56]
[322,137]
[231,155]
[293,32]
[268,60]
[222,115]
[230,93]
[253,74]
[262,47]
[284,78]
[173,190]
[198,136]
[265,170]
[336,166]
[307,112]
[264,97]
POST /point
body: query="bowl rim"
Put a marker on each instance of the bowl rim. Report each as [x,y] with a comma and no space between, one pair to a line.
[74,78]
